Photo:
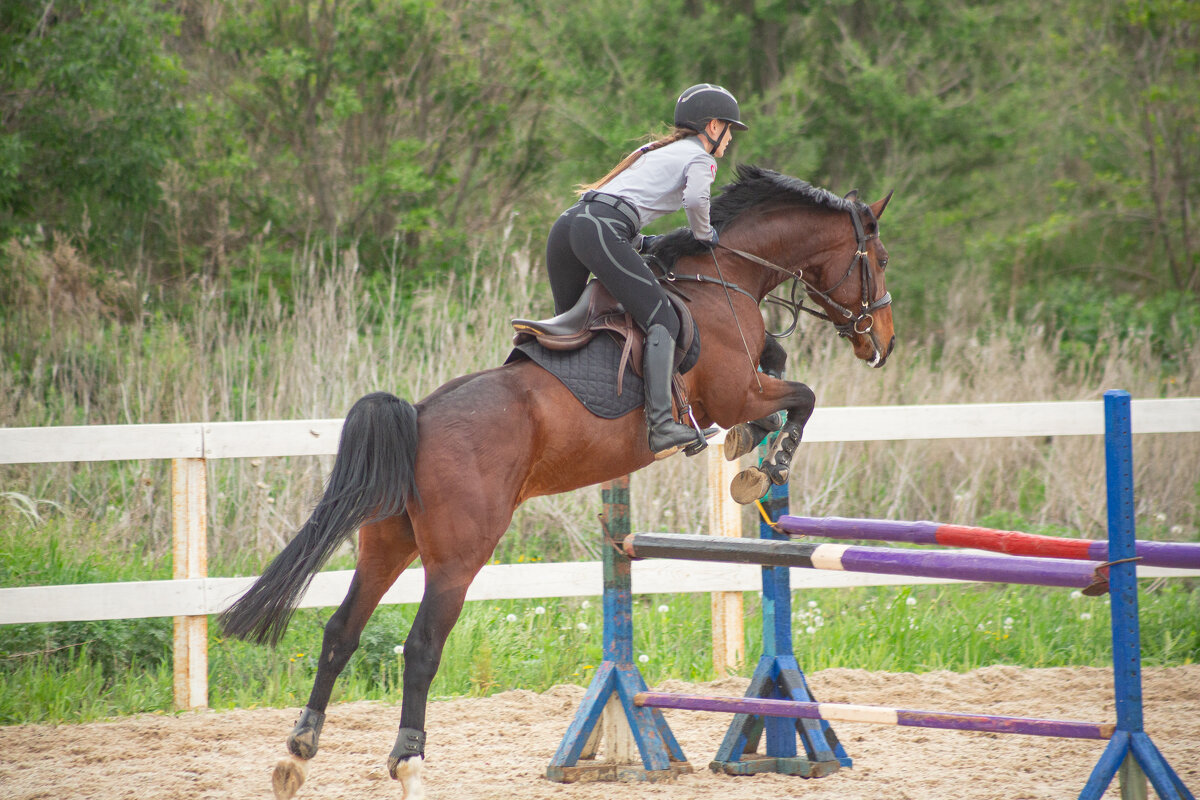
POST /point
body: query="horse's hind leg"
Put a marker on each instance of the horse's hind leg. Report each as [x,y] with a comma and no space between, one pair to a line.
[385,549]
[453,551]
[439,611]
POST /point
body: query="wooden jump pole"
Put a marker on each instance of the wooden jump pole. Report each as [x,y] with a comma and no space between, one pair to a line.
[879,560]
[1153,554]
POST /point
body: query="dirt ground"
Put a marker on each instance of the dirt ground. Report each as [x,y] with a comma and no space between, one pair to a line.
[499,747]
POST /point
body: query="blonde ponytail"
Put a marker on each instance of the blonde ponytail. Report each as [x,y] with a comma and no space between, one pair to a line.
[662,141]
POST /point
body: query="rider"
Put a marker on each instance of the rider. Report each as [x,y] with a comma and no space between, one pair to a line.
[600,235]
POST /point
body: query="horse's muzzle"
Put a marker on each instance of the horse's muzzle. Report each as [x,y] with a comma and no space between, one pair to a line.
[881,358]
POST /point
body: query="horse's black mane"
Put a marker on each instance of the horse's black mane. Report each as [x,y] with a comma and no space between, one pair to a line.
[752,187]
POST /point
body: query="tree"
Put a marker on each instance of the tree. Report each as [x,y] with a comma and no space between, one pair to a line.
[89,117]
[369,119]
[1158,50]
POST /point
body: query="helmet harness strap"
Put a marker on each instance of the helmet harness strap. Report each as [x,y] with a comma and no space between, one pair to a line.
[717,143]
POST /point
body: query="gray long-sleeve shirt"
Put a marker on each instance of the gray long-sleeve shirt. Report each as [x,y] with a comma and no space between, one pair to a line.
[679,175]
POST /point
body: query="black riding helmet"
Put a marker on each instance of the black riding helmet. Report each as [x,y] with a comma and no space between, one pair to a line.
[703,102]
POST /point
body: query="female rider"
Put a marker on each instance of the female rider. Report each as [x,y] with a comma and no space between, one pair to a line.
[600,235]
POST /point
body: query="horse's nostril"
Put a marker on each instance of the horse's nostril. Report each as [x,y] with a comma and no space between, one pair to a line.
[891,345]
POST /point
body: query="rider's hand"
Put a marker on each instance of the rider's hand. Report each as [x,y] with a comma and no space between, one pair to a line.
[646,243]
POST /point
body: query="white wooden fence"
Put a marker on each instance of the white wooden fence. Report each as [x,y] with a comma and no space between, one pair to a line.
[191,596]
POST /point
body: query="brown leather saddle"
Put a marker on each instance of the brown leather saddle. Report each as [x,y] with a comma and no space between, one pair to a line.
[598,312]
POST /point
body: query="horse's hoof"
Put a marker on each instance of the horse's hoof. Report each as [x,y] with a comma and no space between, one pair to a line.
[288,777]
[739,440]
[749,485]
[778,473]
[408,772]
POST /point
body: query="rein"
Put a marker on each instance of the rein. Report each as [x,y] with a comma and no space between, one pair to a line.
[855,320]
[854,323]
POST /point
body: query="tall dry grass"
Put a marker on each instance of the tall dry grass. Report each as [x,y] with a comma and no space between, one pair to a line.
[339,340]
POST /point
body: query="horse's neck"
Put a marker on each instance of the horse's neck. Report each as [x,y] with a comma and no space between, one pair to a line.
[808,242]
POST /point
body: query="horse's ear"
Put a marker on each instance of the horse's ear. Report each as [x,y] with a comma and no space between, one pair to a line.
[878,208]
[851,195]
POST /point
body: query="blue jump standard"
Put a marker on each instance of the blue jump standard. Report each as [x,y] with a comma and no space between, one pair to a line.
[1130,745]
[778,676]
[617,676]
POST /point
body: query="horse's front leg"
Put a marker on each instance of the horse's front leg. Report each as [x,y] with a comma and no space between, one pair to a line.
[744,437]
[753,482]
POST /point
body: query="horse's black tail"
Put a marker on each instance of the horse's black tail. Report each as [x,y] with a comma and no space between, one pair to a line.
[372,479]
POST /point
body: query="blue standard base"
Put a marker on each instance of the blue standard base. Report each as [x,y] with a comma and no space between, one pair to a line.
[779,677]
[1135,747]
[662,758]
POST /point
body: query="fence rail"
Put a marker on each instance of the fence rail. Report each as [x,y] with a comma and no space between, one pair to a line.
[191,596]
[319,437]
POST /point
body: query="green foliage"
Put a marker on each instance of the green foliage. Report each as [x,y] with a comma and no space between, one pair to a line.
[392,126]
[1027,142]
[91,116]
[112,647]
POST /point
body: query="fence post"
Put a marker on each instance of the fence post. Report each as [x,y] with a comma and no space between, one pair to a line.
[189,535]
[725,519]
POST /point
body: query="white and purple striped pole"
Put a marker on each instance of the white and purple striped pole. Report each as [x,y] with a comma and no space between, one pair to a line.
[1089,577]
[879,715]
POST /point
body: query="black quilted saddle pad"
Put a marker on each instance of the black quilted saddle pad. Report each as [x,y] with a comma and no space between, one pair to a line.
[590,373]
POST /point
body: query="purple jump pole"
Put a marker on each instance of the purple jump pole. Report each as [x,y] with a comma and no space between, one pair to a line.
[879,715]
[878,560]
[1181,555]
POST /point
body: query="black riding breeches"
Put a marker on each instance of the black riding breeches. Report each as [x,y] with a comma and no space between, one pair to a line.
[592,237]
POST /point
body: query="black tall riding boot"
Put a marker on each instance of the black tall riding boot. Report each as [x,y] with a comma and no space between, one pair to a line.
[658,364]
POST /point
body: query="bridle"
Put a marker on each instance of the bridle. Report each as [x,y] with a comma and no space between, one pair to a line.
[860,321]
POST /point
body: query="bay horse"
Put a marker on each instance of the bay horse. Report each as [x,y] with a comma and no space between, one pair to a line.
[440,479]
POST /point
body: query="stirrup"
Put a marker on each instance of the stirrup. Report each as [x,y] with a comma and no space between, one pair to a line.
[701,443]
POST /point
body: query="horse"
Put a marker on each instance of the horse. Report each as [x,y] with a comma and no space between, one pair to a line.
[440,479]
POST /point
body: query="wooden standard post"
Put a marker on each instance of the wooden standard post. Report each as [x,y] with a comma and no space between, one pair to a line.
[189,532]
[725,519]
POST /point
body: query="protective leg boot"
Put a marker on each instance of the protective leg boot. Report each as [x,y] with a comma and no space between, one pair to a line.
[743,438]
[658,365]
